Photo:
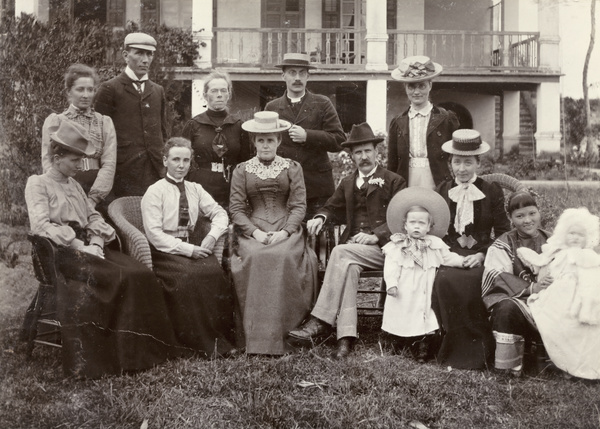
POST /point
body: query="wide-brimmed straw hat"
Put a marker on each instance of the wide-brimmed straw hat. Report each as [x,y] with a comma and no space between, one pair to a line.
[140,41]
[266,123]
[73,137]
[466,142]
[361,134]
[416,69]
[430,200]
[296,60]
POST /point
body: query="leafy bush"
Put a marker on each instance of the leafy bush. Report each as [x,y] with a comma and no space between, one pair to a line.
[33,59]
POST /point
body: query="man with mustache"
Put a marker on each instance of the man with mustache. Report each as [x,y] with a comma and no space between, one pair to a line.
[137,107]
[361,201]
[316,130]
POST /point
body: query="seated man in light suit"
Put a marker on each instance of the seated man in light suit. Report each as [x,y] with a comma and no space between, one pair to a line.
[361,202]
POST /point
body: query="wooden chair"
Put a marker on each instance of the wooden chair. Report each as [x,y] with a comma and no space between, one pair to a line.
[329,238]
[126,214]
[41,325]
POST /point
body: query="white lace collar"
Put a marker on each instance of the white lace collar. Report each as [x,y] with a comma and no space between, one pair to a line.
[270,171]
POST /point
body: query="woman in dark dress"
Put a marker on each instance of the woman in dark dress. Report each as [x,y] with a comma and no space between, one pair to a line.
[274,271]
[197,293]
[476,208]
[111,307]
[218,141]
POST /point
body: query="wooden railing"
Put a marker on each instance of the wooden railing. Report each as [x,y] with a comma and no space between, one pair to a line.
[466,49]
[264,47]
[345,49]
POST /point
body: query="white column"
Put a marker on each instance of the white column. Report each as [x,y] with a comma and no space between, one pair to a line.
[548,22]
[202,17]
[376,35]
[198,102]
[548,134]
[377,105]
[133,11]
[25,6]
[511,120]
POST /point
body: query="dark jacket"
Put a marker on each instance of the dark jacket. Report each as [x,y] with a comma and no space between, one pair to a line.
[488,213]
[324,134]
[442,124]
[340,207]
[140,123]
[201,132]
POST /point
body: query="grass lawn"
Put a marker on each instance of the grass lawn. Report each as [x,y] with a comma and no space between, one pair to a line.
[371,389]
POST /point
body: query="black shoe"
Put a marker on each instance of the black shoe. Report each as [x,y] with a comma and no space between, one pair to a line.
[312,328]
[344,347]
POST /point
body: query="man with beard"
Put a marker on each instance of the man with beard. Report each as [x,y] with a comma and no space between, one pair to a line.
[361,201]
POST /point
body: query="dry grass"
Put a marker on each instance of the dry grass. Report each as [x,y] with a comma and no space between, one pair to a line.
[372,389]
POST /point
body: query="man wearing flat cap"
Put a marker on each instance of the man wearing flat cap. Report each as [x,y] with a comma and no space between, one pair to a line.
[360,201]
[416,136]
[316,130]
[137,107]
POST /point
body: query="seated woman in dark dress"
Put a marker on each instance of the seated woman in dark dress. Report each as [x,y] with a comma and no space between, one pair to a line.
[111,307]
[197,293]
[476,208]
[274,271]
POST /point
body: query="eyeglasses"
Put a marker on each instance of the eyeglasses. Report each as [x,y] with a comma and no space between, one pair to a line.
[217,91]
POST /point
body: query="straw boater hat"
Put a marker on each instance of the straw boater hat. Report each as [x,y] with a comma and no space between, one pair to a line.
[266,123]
[140,41]
[296,60]
[430,200]
[466,142]
[72,137]
[416,69]
[361,134]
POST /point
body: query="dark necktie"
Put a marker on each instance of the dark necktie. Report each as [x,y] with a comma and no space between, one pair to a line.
[366,182]
[184,212]
[138,85]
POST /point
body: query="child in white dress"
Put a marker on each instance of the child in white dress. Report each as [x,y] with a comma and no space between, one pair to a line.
[567,313]
[412,258]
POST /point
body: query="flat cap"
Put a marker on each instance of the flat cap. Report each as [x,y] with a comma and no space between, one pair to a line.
[140,41]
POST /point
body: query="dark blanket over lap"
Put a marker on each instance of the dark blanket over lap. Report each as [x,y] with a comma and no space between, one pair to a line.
[199,301]
[467,341]
[113,315]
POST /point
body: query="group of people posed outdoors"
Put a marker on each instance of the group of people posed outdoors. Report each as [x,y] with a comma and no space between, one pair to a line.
[454,294]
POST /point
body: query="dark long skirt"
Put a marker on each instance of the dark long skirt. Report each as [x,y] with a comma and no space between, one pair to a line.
[113,315]
[467,339]
[199,302]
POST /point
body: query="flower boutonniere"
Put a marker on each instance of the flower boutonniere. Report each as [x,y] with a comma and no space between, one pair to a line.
[376,181]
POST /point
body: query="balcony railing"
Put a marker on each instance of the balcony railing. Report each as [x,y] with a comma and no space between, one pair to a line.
[467,50]
[264,47]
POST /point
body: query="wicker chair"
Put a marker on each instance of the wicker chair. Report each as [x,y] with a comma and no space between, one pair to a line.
[126,214]
[325,243]
[41,325]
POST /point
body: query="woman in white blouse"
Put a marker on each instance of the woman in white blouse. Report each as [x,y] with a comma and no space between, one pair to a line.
[111,307]
[197,293]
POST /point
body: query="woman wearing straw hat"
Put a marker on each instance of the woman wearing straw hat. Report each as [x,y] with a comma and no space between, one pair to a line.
[274,271]
[416,136]
[111,307]
[476,207]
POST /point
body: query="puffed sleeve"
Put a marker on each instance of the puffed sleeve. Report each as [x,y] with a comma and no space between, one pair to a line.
[37,198]
[237,201]
[108,163]
[51,121]
[392,159]
[297,200]
[96,226]
[392,266]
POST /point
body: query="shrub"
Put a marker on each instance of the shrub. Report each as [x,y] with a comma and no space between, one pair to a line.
[33,59]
